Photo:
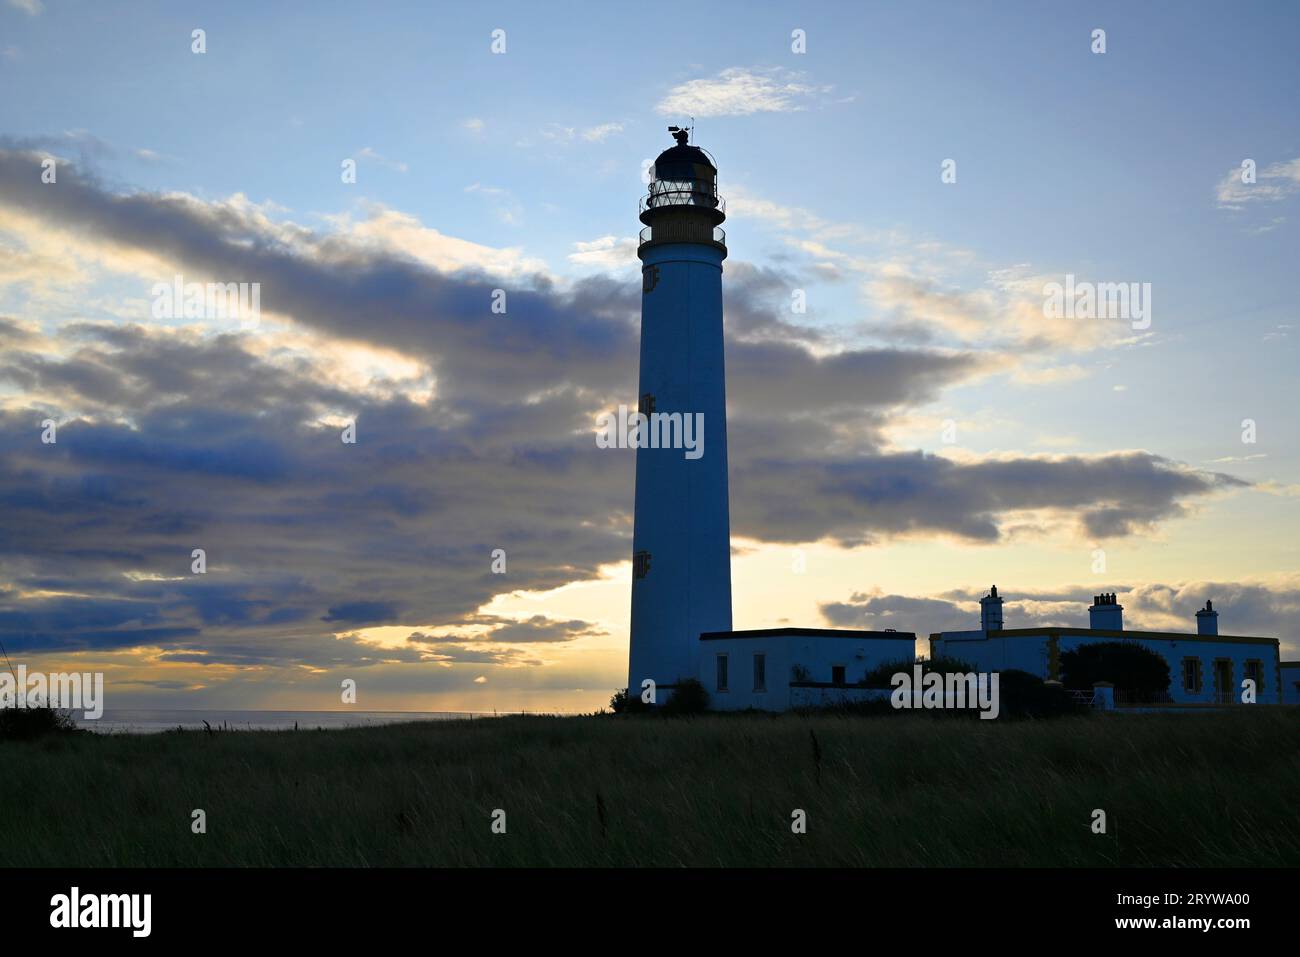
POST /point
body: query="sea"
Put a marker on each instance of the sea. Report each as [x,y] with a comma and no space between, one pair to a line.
[121,721]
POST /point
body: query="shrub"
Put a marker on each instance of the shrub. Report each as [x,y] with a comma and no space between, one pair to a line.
[625,703]
[881,675]
[1022,695]
[689,697]
[1127,665]
[18,724]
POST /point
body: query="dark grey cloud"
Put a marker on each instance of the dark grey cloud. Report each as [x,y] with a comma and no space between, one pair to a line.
[855,498]
[759,305]
[542,338]
[84,145]
[12,332]
[900,612]
[538,628]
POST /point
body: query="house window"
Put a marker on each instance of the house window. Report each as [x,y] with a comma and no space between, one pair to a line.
[837,674]
[722,672]
[760,672]
[1223,692]
[1254,670]
[1192,675]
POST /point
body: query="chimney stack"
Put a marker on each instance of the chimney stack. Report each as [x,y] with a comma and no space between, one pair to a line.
[991,611]
[1106,613]
[1207,620]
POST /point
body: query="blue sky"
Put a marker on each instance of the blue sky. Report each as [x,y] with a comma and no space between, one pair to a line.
[524,168]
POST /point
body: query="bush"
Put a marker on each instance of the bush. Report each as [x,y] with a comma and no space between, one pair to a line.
[1022,695]
[688,697]
[1127,665]
[881,675]
[625,703]
[17,724]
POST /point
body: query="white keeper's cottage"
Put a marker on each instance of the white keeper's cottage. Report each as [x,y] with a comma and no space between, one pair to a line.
[1205,667]
[775,669]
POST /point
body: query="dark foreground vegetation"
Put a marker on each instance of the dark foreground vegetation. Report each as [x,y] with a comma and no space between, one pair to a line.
[24,724]
[1184,790]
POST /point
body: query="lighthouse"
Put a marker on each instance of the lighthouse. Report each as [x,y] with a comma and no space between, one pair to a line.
[681,541]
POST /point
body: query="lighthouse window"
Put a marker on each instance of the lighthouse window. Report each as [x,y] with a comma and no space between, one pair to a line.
[647,403]
[760,672]
[722,673]
[1191,675]
[640,564]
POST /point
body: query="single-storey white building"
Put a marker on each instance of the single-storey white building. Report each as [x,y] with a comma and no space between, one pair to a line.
[774,669]
[1204,667]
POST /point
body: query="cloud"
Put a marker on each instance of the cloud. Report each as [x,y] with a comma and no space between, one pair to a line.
[601,132]
[367,153]
[739,91]
[1006,312]
[504,205]
[362,613]
[859,498]
[569,134]
[538,628]
[1034,375]
[30,7]
[1255,609]
[921,291]
[475,431]
[84,145]
[328,281]
[1274,183]
[380,231]
[741,203]
[608,253]
[877,612]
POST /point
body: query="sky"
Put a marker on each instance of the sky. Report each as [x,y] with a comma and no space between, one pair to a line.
[918,175]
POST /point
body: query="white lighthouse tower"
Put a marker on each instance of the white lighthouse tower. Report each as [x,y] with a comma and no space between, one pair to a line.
[681,543]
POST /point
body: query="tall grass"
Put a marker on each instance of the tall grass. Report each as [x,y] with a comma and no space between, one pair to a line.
[1178,790]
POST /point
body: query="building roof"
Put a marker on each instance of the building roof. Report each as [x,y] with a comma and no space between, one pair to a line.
[1111,633]
[805,633]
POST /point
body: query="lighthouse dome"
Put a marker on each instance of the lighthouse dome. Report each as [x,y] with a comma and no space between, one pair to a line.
[685,162]
[683,176]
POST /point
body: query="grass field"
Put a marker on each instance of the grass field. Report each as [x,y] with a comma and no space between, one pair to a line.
[1182,790]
